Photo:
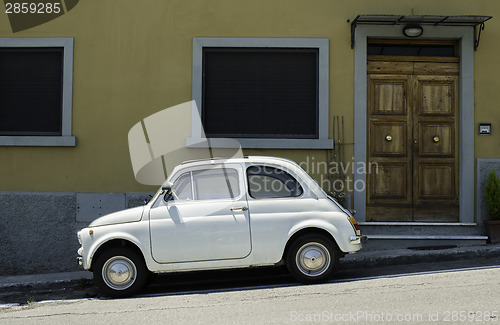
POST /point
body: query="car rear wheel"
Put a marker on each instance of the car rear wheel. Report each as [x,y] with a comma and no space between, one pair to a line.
[312,258]
[120,272]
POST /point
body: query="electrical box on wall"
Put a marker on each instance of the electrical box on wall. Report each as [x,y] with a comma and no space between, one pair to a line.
[484,128]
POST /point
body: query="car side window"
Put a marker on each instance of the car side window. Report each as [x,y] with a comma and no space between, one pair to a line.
[212,184]
[207,184]
[270,182]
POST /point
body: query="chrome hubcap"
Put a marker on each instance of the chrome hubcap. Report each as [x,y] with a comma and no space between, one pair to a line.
[313,259]
[119,273]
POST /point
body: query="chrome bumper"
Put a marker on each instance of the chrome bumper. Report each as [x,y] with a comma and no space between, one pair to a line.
[356,240]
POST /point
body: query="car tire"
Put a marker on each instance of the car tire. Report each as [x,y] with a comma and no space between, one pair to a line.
[151,278]
[120,272]
[312,258]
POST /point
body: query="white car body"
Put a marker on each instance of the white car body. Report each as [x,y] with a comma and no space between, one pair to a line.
[232,231]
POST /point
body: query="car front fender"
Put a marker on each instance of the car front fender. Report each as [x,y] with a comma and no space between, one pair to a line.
[100,237]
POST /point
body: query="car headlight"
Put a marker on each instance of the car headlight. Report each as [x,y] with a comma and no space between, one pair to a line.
[79,235]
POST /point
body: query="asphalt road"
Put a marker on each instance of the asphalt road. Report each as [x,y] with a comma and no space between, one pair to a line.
[419,294]
[454,297]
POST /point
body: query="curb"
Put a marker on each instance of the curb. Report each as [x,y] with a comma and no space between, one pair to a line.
[408,256]
[43,281]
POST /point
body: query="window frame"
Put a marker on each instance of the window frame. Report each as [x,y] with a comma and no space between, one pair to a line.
[198,138]
[66,139]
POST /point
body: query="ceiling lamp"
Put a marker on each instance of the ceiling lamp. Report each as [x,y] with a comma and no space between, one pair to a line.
[413,30]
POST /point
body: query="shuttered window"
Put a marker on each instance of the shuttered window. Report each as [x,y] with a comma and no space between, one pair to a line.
[31,90]
[260,92]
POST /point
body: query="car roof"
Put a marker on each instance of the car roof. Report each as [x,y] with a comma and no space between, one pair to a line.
[244,159]
[283,162]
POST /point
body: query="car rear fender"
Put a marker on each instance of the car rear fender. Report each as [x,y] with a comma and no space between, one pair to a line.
[339,231]
[317,226]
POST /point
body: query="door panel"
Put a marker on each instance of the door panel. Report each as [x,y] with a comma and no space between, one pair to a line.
[436,181]
[436,99]
[389,182]
[436,95]
[389,67]
[437,140]
[389,139]
[413,139]
[388,95]
[436,68]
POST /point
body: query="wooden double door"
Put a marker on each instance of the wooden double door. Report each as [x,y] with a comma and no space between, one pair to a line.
[412,141]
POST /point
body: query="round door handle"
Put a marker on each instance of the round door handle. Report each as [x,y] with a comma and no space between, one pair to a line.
[388,138]
[436,139]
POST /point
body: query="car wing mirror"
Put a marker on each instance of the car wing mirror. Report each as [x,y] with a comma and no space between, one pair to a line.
[167,187]
[168,192]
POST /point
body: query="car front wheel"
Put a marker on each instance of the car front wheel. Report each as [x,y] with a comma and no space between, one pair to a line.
[120,272]
[312,258]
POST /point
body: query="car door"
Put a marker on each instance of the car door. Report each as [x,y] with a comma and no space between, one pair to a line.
[206,218]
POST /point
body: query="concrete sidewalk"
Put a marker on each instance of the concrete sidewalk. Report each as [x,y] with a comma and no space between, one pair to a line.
[359,260]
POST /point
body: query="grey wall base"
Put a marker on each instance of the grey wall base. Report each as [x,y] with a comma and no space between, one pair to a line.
[38,229]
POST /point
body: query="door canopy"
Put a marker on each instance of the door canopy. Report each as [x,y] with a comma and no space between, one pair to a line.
[418,20]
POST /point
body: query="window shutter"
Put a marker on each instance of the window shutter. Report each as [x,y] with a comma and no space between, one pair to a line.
[31,91]
[260,92]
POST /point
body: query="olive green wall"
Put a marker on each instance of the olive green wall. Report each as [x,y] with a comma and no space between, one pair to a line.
[132,59]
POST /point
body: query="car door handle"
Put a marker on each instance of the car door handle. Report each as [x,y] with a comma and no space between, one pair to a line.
[239,209]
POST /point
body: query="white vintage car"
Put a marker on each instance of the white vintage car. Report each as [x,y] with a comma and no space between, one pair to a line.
[219,214]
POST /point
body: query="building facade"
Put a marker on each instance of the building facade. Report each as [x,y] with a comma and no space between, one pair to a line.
[380,101]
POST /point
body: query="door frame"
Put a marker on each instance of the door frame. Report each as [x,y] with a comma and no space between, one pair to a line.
[465,36]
